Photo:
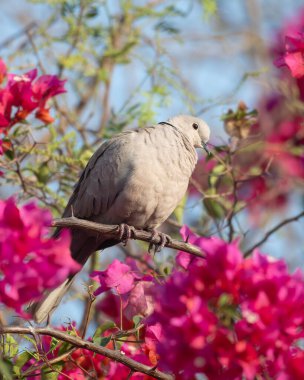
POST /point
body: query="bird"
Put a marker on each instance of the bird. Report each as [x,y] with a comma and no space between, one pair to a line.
[136,178]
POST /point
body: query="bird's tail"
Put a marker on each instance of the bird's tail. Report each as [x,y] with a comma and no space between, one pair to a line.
[43,308]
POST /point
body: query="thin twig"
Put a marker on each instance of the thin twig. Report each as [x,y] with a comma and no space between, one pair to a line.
[20,33]
[91,299]
[39,368]
[273,230]
[80,343]
[114,231]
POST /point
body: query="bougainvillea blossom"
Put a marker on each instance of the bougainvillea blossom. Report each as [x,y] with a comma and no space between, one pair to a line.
[293,56]
[38,261]
[230,317]
[26,93]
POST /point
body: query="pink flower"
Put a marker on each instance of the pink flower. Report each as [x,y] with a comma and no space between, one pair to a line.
[6,103]
[118,276]
[84,363]
[135,290]
[30,261]
[140,300]
[293,57]
[20,87]
[229,317]
[30,93]
[46,87]
[3,71]
[27,93]
[119,371]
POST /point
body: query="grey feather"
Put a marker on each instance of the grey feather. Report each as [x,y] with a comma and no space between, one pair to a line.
[137,178]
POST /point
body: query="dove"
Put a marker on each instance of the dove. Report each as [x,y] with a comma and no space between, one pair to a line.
[136,178]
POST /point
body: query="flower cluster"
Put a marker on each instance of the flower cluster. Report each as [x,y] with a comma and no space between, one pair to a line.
[228,317]
[132,290]
[30,261]
[84,364]
[24,94]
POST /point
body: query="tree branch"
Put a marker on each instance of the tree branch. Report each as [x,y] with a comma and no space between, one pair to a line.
[273,230]
[80,343]
[113,231]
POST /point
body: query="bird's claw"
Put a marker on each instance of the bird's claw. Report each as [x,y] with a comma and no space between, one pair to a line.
[125,233]
[158,241]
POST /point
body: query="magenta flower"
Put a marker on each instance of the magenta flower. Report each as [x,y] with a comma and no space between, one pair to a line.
[230,317]
[30,261]
[46,87]
[135,290]
[118,276]
[119,371]
[293,56]
[20,87]
[3,70]
[27,93]
[6,103]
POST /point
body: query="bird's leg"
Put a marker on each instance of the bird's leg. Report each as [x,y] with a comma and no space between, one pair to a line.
[158,241]
[125,232]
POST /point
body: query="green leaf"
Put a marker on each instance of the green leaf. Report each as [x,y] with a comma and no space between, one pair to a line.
[22,359]
[9,154]
[137,320]
[98,338]
[29,339]
[6,369]
[104,341]
[92,12]
[54,344]
[224,300]
[47,375]
[43,173]
[10,346]
[210,7]
[167,27]
[214,208]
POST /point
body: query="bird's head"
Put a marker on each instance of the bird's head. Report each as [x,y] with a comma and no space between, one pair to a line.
[195,129]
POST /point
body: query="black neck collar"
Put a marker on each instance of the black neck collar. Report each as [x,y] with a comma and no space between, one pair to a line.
[178,130]
[165,123]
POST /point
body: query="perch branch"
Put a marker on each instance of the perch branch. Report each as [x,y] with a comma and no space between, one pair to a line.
[113,231]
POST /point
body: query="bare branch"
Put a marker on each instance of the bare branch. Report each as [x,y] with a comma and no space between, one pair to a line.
[80,343]
[113,231]
[44,365]
[273,230]
[20,33]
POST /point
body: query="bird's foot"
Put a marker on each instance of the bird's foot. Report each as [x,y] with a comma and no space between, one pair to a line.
[125,233]
[158,241]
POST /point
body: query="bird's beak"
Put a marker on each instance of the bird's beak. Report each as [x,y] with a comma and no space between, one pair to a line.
[204,145]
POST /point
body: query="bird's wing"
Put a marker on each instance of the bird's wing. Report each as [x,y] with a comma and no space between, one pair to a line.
[102,180]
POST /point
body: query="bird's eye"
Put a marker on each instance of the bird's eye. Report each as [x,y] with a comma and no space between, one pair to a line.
[195,126]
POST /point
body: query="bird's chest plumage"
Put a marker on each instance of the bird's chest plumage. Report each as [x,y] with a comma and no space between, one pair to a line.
[158,177]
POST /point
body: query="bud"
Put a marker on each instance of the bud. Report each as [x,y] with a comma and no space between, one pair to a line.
[238,123]
[44,115]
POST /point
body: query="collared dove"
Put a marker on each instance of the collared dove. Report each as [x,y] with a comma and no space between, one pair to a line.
[136,178]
